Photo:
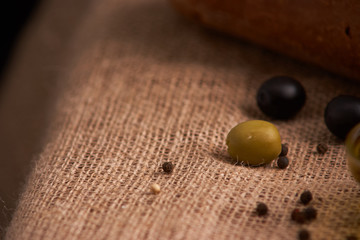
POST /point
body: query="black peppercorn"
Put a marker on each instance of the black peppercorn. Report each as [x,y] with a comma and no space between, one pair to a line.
[168,167]
[281,97]
[261,209]
[284,150]
[297,216]
[303,234]
[310,213]
[306,197]
[283,162]
[321,148]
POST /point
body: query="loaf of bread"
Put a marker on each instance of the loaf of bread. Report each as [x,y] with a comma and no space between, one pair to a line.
[323,32]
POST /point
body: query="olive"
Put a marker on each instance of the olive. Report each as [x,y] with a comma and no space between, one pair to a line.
[254,142]
[341,114]
[281,97]
[352,144]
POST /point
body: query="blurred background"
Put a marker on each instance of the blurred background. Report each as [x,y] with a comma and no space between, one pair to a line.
[15,14]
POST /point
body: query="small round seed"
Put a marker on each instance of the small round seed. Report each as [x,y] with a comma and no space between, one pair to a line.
[168,167]
[303,234]
[284,150]
[283,162]
[261,209]
[310,213]
[306,197]
[321,148]
[155,188]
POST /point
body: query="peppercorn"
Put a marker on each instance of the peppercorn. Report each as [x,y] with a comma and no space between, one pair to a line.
[168,167]
[284,150]
[155,188]
[303,234]
[310,213]
[283,162]
[298,216]
[306,197]
[261,209]
[321,148]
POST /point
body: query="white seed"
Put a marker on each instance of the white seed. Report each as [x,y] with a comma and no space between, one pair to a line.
[155,188]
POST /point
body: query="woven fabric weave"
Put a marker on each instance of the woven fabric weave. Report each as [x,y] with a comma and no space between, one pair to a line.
[144,86]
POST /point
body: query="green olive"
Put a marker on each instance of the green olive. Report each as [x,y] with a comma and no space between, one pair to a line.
[352,144]
[254,142]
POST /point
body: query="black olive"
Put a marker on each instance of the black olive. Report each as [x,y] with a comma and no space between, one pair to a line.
[342,114]
[281,97]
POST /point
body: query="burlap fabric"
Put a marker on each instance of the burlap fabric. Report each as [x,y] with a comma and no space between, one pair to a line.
[139,85]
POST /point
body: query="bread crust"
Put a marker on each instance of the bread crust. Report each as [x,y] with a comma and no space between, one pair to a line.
[322,32]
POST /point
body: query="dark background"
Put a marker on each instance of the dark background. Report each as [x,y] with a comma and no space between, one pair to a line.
[14,16]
